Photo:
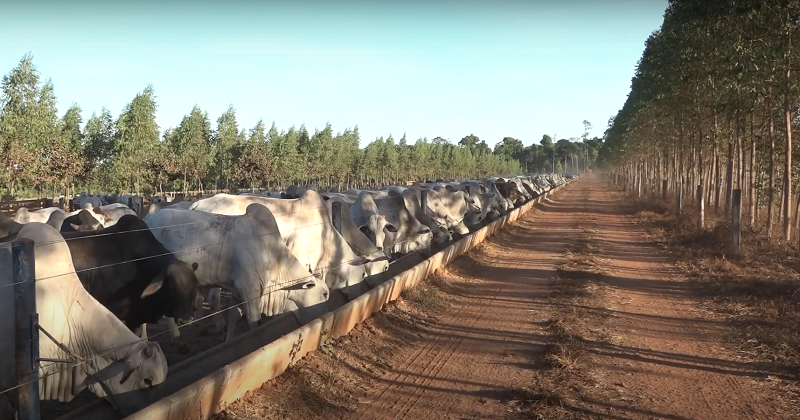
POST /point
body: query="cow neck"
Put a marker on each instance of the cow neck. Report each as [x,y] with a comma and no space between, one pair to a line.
[105,335]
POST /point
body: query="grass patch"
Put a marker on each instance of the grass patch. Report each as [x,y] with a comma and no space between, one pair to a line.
[758,291]
[426,296]
[566,380]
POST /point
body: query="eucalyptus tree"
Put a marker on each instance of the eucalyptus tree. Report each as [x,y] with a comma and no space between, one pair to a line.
[98,145]
[20,123]
[192,147]
[225,144]
[137,140]
[287,164]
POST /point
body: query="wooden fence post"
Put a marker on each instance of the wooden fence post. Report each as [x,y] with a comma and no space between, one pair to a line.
[736,221]
[700,207]
[26,333]
[336,217]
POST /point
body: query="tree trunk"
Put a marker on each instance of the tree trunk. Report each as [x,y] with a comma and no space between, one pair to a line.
[729,175]
[787,183]
[771,190]
[753,198]
[717,170]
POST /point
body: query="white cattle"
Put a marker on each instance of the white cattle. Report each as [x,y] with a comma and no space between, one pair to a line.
[410,234]
[110,214]
[102,347]
[481,205]
[503,204]
[358,242]
[305,225]
[375,194]
[39,216]
[373,224]
[79,220]
[243,254]
[86,201]
[448,208]
[411,197]
[132,201]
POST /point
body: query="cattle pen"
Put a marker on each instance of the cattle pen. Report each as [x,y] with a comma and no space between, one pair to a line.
[215,374]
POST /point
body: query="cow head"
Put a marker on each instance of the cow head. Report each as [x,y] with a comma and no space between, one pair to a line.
[174,290]
[140,365]
[377,265]
[306,293]
[380,232]
[85,222]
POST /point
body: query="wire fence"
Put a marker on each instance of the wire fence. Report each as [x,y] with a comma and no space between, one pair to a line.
[271,288]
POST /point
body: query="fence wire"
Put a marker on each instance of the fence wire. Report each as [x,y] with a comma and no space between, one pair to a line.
[269,290]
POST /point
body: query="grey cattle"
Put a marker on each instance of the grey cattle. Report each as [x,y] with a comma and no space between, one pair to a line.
[40,216]
[372,223]
[117,357]
[243,254]
[305,226]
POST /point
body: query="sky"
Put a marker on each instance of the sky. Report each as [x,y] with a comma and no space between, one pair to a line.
[424,68]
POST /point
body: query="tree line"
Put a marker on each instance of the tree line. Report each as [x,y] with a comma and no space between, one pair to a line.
[46,154]
[712,105]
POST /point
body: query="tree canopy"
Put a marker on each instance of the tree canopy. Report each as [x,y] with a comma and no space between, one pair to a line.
[44,154]
[712,103]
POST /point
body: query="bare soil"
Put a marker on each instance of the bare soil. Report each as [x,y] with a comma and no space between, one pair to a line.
[572,312]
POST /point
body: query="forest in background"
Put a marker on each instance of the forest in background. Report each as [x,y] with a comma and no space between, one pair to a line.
[713,104]
[47,154]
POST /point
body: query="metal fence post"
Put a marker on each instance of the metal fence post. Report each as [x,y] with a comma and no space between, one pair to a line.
[736,221]
[336,217]
[26,334]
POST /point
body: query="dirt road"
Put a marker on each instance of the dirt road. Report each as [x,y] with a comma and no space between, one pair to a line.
[658,355]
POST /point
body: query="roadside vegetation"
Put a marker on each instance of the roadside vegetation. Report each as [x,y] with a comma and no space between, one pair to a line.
[757,291]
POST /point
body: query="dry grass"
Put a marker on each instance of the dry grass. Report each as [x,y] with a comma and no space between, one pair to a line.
[567,378]
[427,296]
[758,291]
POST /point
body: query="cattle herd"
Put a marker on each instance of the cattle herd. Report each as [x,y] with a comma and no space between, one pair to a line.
[103,273]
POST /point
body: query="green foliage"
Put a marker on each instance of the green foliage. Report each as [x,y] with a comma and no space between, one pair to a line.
[191,146]
[225,145]
[136,142]
[709,63]
[130,154]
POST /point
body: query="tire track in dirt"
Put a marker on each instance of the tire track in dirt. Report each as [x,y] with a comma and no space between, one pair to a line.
[666,357]
[488,344]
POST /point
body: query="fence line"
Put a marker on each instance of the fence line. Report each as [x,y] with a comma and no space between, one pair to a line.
[270,290]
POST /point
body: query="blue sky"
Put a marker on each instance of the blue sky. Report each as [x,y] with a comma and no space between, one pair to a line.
[426,68]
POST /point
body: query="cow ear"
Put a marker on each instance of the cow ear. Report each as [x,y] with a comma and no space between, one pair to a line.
[390,227]
[194,266]
[364,229]
[74,226]
[152,288]
[359,261]
[155,285]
